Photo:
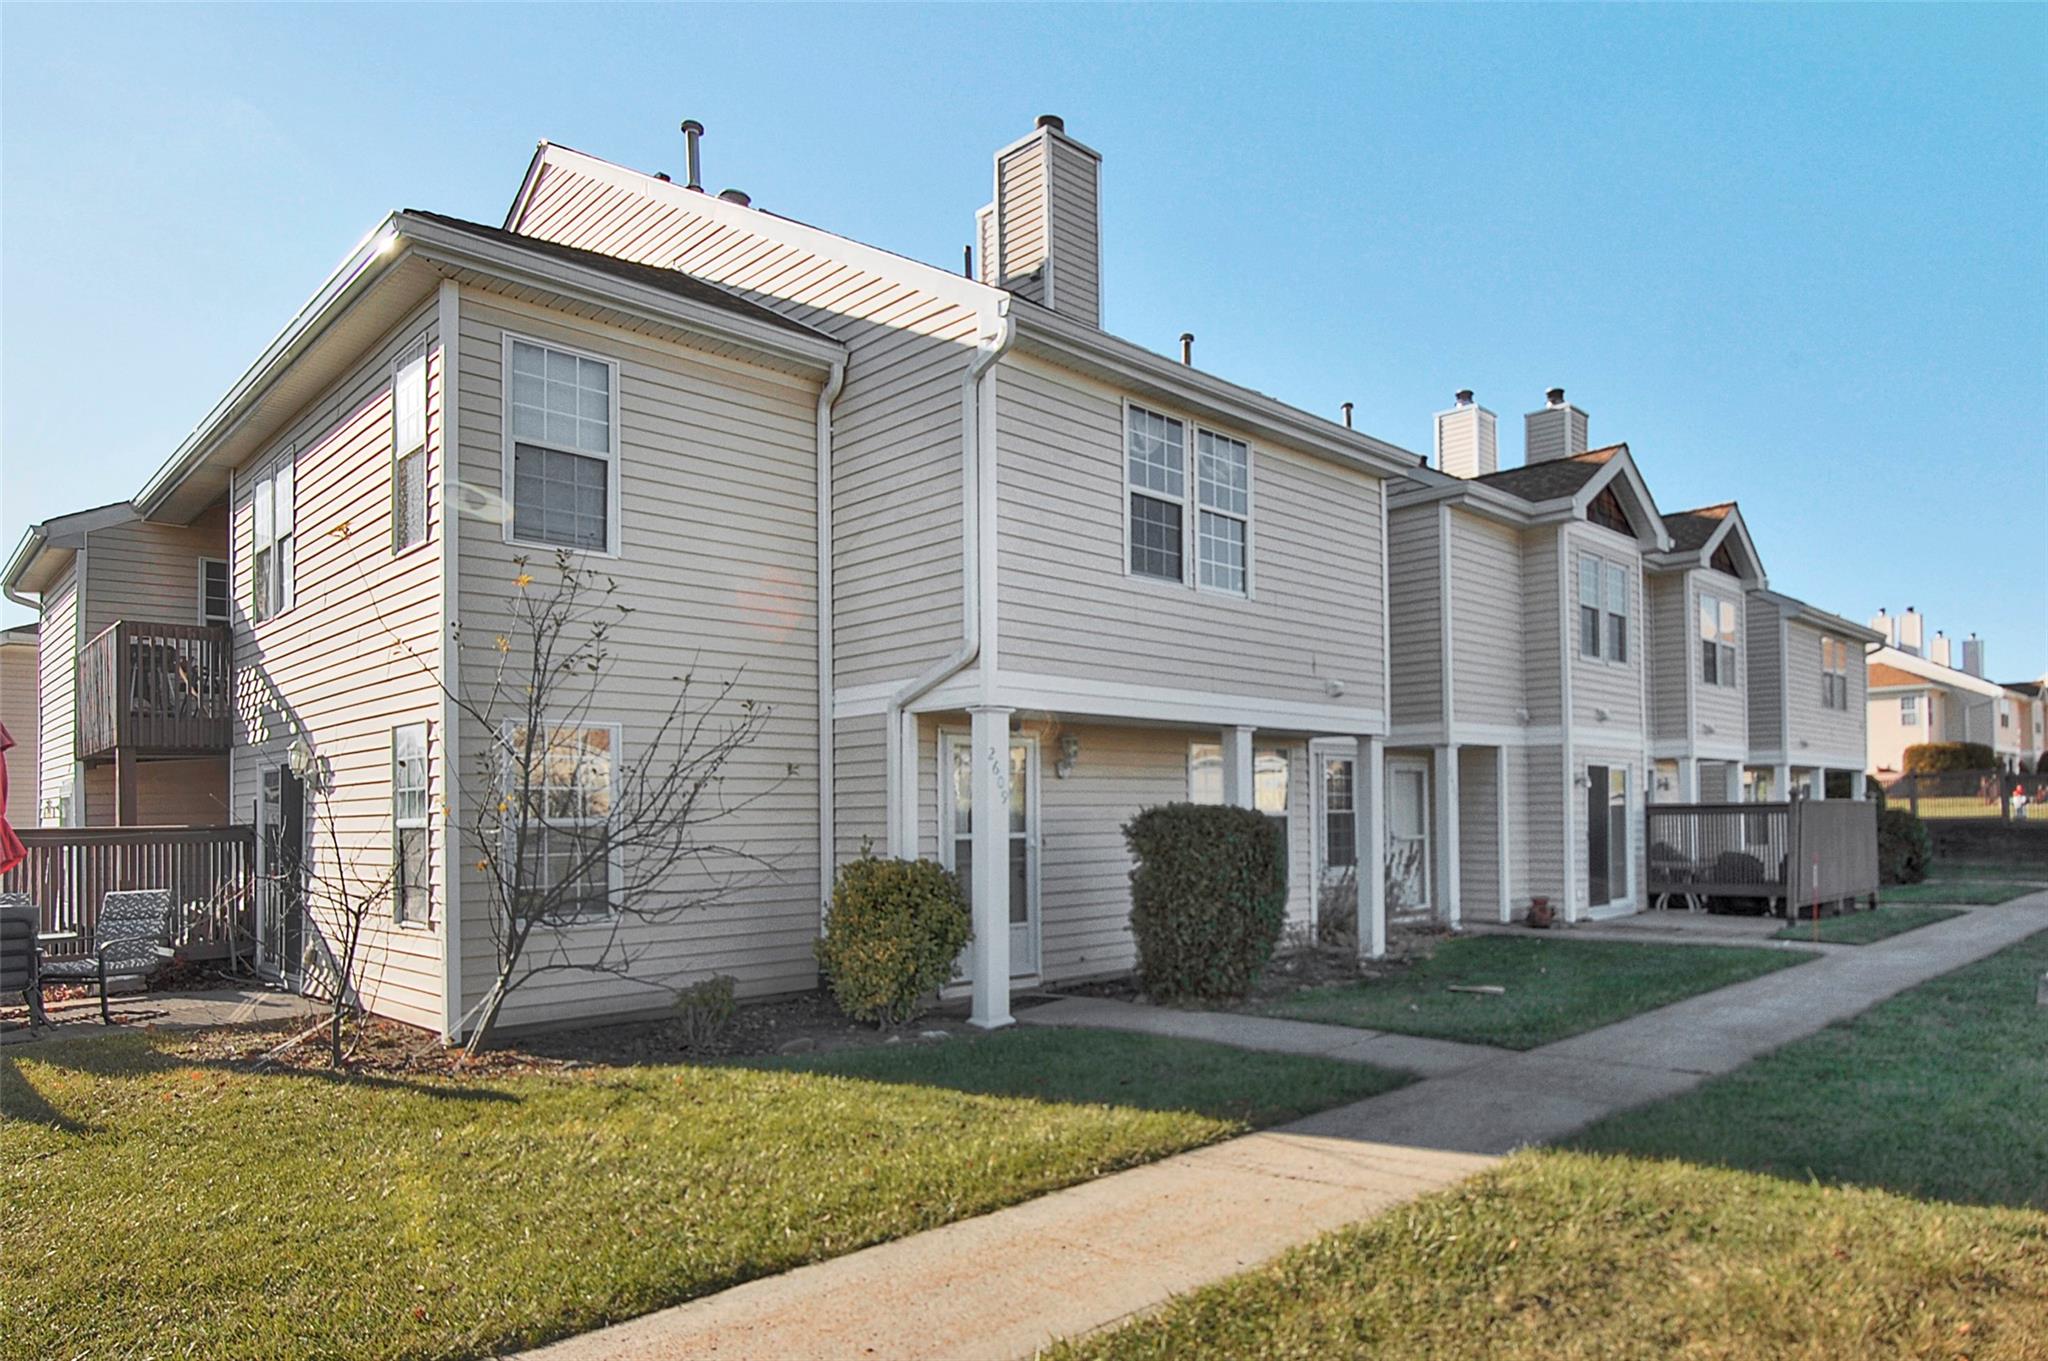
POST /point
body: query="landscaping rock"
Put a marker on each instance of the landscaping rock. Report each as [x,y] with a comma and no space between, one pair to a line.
[802,1044]
[935,1034]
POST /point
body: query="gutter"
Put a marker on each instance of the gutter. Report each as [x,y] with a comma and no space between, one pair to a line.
[828,396]
[977,554]
[32,541]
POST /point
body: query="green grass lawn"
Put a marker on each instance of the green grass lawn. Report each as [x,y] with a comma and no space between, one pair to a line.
[1861,928]
[1555,988]
[2010,871]
[157,1206]
[1630,1245]
[1972,892]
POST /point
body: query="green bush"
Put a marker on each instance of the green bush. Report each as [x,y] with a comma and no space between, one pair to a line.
[1903,847]
[704,1011]
[896,928]
[1934,758]
[1208,897]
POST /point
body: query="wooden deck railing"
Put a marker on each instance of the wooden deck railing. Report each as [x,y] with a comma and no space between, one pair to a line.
[210,871]
[158,689]
[1790,854]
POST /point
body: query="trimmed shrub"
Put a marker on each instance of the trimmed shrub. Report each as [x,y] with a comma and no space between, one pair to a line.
[704,1011]
[1935,758]
[1208,897]
[1903,847]
[1337,910]
[896,928]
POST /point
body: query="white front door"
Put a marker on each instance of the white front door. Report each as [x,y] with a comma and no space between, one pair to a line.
[956,836]
[1407,836]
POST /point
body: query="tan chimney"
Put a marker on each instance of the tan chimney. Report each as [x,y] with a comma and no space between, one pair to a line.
[1888,626]
[1557,431]
[1938,649]
[1467,439]
[1041,237]
[1912,632]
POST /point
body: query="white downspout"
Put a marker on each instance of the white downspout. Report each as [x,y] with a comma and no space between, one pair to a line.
[827,834]
[977,461]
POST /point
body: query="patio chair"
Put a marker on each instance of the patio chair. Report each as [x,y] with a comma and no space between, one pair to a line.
[126,943]
[20,920]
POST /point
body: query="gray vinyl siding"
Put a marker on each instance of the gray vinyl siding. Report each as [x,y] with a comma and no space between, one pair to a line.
[896,426]
[1479,834]
[1415,615]
[357,654]
[1074,211]
[1538,824]
[1671,657]
[1836,735]
[1487,619]
[1616,687]
[1068,608]
[1724,708]
[58,642]
[1763,629]
[19,700]
[1021,219]
[1543,625]
[149,573]
[717,564]
[860,755]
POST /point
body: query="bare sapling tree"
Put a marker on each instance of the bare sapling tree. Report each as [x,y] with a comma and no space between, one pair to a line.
[587,835]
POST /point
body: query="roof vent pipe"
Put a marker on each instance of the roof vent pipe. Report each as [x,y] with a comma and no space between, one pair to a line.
[738,196]
[693,176]
[1555,396]
[1347,415]
[1053,121]
[967,260]
[1187,347]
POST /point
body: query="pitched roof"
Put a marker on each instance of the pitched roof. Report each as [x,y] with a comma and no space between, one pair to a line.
[1552,478]
[1880,674]
[1690,529]
[649,276]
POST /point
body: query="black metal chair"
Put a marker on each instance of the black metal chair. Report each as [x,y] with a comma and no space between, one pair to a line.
[20,956]
[127,942]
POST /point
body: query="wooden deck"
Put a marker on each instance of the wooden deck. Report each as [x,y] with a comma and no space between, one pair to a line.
[210,871]
[1790,855]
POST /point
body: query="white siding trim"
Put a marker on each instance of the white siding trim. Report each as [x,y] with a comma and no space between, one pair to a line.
[1112,699]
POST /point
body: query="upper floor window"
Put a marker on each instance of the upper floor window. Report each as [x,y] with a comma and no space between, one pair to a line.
[1717,641]
[1156,457]
[273,544]
[1603,609]
[1223,480]
[409,879]
[1160,514]
[561,457]
[213,591]
[1834,673]
[1909,710]
[409,452]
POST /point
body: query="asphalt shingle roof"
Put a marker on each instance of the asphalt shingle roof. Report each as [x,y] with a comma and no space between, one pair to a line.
[1690,529]
[1552,478]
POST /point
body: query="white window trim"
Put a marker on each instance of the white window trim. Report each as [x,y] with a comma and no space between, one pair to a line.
[423,351]
[609,918]
[424,821]
[287,584]
[227,570]
[1729,678]
[1909,711]
[612,548]
[1602,652]
[1190,503]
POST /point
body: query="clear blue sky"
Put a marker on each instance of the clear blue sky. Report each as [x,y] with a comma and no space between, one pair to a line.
[1794,256]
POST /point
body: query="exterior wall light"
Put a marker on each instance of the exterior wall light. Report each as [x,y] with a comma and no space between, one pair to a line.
[1070,752]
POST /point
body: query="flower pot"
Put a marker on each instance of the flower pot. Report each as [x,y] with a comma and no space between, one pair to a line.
[1541,914]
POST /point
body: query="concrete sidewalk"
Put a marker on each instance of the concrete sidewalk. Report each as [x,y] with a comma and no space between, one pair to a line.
[1004,1284]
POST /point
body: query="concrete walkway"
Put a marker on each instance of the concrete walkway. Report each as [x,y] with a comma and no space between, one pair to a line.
[1002,1285]
[79,1017]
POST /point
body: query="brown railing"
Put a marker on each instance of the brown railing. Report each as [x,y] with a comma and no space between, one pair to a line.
[159,689]
[210,871]
[1788,854]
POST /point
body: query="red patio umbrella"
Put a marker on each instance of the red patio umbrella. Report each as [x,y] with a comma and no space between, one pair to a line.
[12,852]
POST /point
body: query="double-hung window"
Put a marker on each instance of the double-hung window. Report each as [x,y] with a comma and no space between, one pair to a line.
[1617,613]
[1603,609]
[1589,606]
[273,543]
[410,902]
[562,458]
[1155,460]
[568,871]
[213,591]
[1834,674]
[1717,641]
[409,452]
[1223,483]
[1909,710]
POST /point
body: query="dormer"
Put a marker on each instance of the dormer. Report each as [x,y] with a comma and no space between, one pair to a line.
[1712,539]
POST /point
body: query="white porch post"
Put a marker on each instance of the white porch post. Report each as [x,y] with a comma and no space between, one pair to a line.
[1238,790]
[1781,784]
[989,952]
[1368,819]
[1500,793]
[1820,783]
[1856,789]
[1688,780]
[1448,908]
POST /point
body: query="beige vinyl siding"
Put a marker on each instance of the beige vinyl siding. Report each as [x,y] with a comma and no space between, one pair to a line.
[985,244]
[19,689]
[57,670]
[149,573]
[896,426]
[717,564]
[1067,607]
[1724,708]
[1487,617]
[189,792]
[860,755]
[354,656]
[1479,834]
[1415,615]
[1537,824]
[1836,735]
[1021,218]
[1616,687]
[1763,631]
[1076,239]
[1544,623]
[1671,655]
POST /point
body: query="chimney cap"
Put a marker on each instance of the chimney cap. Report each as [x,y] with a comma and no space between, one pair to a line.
[1053,121]
[738,196]
[1555,396]
[692,125]
[1464,396]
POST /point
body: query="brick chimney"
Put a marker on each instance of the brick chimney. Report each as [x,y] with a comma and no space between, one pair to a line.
[1041,238]
[1557,431]
[1467,439]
